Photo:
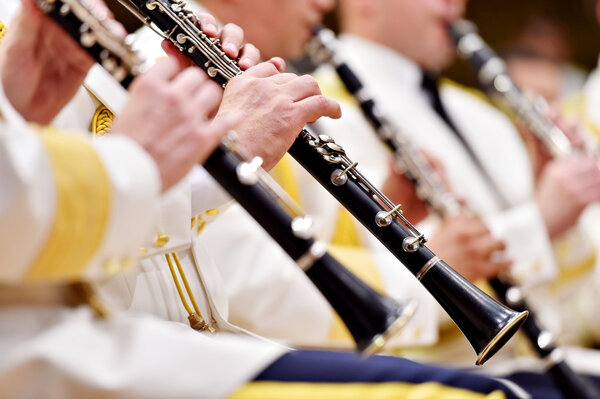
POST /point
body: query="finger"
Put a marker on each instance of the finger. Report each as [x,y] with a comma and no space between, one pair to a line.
[588,181]
[165,69]
[105,14]
[283,78]
[315,107]
[302,87]
[207,99]
[473,226]
[189,81]
[225,123]
[207,23]
[100,9]
[262,70]
[210,134]
[249,56]
[485,246]
[232,37]
[116,27]
[279,63]
[30,20]
[493,269]
[173,52]
[35,24]
[590,194]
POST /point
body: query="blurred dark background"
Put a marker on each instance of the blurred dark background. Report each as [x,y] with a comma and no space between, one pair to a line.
[568,29]
[502,22]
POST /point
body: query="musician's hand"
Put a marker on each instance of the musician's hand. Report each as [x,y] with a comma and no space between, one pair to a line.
[538,153]
[401,190]
[275,107]
[467,245]
[168,115]
[41,66]
[565,189]
[232,41]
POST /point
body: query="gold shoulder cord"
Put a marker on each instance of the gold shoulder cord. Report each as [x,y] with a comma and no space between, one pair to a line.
[100,125]
[195,315]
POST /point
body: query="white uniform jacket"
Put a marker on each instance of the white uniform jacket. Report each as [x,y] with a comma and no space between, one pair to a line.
[50,203]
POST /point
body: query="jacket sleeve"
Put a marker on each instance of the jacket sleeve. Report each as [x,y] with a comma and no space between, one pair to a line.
[71,209]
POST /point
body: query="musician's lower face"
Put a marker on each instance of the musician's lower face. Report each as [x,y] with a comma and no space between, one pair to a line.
[277,27]
[416,29]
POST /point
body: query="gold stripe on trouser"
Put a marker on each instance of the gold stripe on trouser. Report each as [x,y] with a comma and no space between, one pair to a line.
[388,390]
[83,201]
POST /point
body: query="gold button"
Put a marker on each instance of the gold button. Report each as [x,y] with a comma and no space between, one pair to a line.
[161,240]
[112,266]
[193,222]
[127,264]
[201,225]
[212,212]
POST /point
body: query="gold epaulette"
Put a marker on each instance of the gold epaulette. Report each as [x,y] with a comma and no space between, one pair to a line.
[332,86]
[574,107]
[468,89]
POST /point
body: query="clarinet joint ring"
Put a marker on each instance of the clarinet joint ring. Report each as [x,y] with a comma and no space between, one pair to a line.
[316,251]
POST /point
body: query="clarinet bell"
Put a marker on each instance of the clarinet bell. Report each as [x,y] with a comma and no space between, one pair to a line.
[398,314]
[486,323]
[371,318]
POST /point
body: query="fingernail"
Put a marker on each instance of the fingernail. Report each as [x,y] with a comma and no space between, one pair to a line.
[210,28]
[230,48]
[244,63]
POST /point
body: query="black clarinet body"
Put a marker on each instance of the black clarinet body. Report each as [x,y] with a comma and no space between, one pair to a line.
[326,161]
[470,308]
[370,317]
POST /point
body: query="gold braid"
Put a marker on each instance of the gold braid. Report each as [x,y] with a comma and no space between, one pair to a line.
[102,121]
[2,30]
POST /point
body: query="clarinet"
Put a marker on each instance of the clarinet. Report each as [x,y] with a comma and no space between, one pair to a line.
[487,324]
[408,159]
[494,79]
[500,87]
[370,317]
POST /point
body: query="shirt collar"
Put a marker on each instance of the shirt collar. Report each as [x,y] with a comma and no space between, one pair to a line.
[385,64]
